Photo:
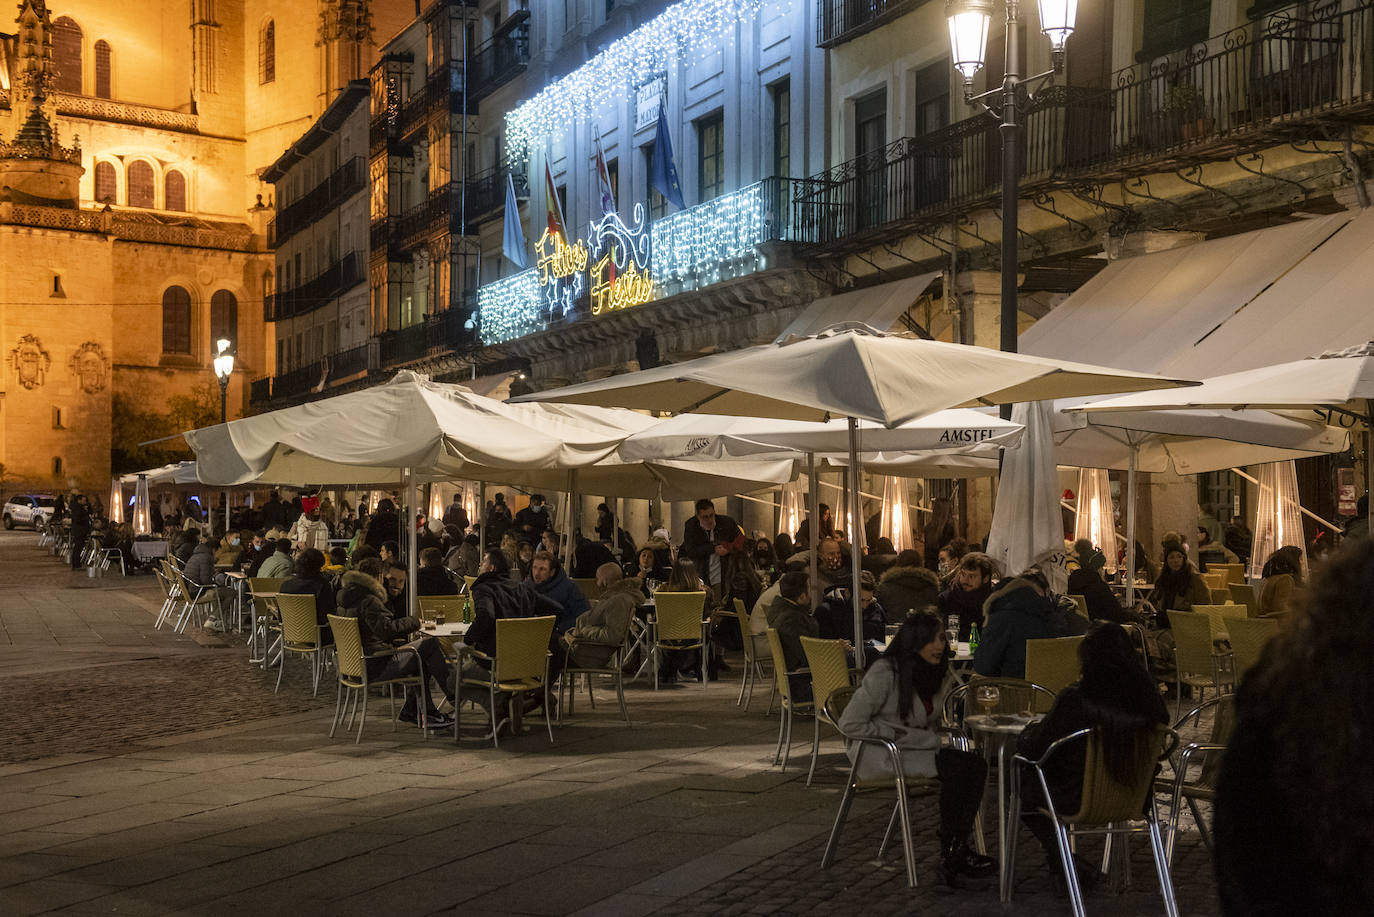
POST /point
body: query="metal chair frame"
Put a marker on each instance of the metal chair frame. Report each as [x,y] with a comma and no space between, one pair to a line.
[753,668]
[784,689]
[673,609]
[353,683]
[301,635]
[1180,788]
[612,668]
[1064,825]
[828,666]
[507,674]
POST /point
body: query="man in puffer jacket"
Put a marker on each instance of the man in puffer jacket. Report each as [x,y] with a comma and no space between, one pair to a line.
[363,596]
[1021,609]
[548,579]
[906,587]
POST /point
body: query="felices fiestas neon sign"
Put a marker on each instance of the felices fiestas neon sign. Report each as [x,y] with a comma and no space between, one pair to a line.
[562,268]
[621,276]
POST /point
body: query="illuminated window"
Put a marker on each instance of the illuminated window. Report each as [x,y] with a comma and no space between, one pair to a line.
[142,185]
[224,318]
[176,321]
[174,191]
[105,183]
[102,69]
[267,53]
[66,54]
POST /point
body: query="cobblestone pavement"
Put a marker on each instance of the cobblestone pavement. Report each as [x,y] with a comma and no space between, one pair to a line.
[173,781]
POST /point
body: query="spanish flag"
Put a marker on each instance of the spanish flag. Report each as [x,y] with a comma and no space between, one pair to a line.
[553,207]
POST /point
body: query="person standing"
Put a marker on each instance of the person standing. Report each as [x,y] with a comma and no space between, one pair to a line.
[456,515]
[531,521]
[707,540]
[80,513]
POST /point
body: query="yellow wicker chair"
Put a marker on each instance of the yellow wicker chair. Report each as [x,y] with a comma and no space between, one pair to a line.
[302,635]
[613,668]
[1248,639]
[1107,807]
[353,680]
[830,672]
[835,706]
[1208,755]
[452,607]
[171,591]
[1198,663]
[754,654]
[467,583]
[679,624]
[1235,573]
[521,666]
[1222,614]
[1245,594]
[1053,664]
[1214,580]
[784,689]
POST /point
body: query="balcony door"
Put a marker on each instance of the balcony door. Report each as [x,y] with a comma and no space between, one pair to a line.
[870,146]
[932,159]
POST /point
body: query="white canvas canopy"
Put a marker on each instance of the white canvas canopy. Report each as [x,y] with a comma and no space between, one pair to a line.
[175,474]
[1027,524]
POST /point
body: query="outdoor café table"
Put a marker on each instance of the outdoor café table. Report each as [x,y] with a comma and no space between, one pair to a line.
[266,598]
[145,551]
[1000,731]
[238,582]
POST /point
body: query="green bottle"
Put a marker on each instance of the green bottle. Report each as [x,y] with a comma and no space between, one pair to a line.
[467,609]
[973,639]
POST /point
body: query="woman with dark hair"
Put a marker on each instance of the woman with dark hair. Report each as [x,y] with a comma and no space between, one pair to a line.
[765,562]
[1294,830]
[1283,586]
[1087,581]
[1114,695]
[683,578]
[783,548]
[901,698]
[1179,586]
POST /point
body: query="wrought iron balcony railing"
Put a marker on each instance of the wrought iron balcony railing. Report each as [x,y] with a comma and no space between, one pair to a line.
[343,183]
[501,58]
[341,276]
[838,21]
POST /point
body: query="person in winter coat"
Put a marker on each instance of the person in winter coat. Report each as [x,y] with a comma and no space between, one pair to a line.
[549,580]
[593,640]
[463,559]
[790,615]
[1282,588]
[432,578]
[1021,609]
[707,540]
[457,515]
[310,532]
[231,548]
[363,596]
[530,522]
[279,564]
[1114,695]
[1179,586]
[1103,605]
[200,566]
[968,593]
[906,587]
[383,526]
[309,578]
[835,616]
[901,697]
[499,519]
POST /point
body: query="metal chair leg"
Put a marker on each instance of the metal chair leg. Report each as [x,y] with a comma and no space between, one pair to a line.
[1166,884]
[846,800]
[815,747]
[887,835]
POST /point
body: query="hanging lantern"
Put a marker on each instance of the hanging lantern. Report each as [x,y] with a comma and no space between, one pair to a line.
[1278,520]
[1096,519]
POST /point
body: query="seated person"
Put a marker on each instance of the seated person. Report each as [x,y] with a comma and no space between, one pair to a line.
[230,549]
[279,564]
[1282,589]
[463,558]
[1115,695]
[901,698]
[1179,586]
[593,640]
[645,569]
[968,593]
[1103,605]
[588,557]
[790,616]
[338,561]
[835,618]
[432,578]
[364,597]
[395,580]
[310,579]
[1021,609]
[907,586]
[548,579]
[1212,552]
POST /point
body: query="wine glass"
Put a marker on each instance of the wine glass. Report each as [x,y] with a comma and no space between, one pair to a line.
[988,698]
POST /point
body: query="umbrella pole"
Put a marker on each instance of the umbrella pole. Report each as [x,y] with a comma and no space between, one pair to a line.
[412,544]
[571,524]
[481,521]
[1130,529]
[857,525]
[813,503]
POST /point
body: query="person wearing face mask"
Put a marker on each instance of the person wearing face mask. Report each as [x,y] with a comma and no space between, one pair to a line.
[231,549]
[1021,609]
[533,520]
[1179,586]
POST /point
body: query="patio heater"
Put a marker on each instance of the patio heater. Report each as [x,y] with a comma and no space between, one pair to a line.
[142,521]
[116,501]
[1278,519]
[224,370]
[1095,519]
[969,22]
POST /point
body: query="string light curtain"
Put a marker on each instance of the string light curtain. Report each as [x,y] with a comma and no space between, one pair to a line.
[896,523]
[142,521]
[1096,519]
[116,501]
[1278,520]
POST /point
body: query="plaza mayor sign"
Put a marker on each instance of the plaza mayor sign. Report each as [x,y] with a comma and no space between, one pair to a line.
[614,262]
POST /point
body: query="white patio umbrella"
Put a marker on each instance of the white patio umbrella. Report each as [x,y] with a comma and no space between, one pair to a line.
[1027,524]
[851,372]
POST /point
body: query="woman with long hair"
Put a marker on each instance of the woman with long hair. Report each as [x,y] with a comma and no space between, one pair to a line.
[1294,828]
[1114,695]
[1283,586]
[1179,586]
[901,698]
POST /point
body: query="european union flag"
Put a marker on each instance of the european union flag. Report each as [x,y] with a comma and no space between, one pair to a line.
[662,172]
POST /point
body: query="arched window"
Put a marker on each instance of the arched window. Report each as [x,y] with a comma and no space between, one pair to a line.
[142,185]
[267,53]
[66,54]
[106,183]
[174,191]
[176,321]
[102,69]
[224,319]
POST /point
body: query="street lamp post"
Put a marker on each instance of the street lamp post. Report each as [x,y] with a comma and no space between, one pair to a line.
[969,21]
[224,370]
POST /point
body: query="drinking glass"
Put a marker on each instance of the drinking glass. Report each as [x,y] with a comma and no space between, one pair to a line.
[988,698]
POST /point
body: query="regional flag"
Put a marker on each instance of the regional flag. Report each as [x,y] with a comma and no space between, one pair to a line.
[553,207]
